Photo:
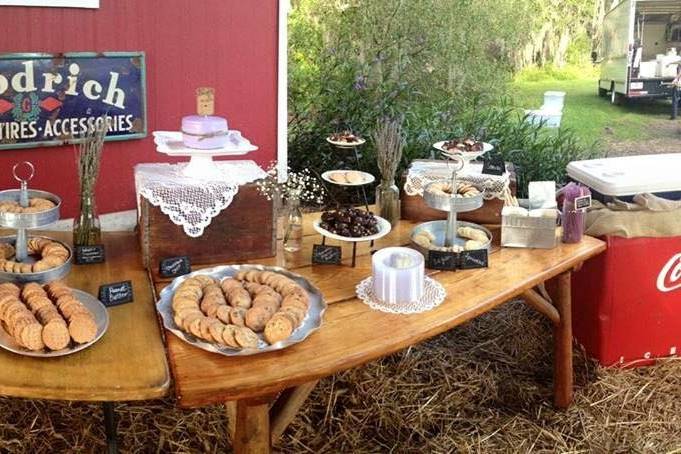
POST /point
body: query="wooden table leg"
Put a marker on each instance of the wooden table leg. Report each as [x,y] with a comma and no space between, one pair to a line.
[287,406]
[562,344]
[252,426]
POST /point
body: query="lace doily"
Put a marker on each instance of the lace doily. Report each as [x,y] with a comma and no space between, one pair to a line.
[421,173]
[189,202]
[433,295]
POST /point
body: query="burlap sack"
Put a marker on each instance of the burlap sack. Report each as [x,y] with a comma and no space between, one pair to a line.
[647,216]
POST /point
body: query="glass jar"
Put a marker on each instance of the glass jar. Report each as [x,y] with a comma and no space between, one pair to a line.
[574,222]
[87,230]
[293,227]
[388,201]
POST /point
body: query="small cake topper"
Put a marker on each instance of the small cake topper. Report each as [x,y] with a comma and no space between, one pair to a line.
[205,100]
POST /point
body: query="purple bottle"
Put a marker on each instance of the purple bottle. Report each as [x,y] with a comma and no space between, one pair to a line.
[574,218]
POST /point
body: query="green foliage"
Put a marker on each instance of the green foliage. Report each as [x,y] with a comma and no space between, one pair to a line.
[442,66]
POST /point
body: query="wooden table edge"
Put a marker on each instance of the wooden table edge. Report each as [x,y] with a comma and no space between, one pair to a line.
[145,393]
[217,397]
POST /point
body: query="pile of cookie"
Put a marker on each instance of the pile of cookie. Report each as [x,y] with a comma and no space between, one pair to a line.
[49,254]
[345,137]
[463,145]
[443,188]
[475,239]
[233,311]
[35,205]
[347,177]
[49,317]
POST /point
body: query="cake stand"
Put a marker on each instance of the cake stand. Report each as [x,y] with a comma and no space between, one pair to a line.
[201,163]
[384,228]
[21,222]
[446,232]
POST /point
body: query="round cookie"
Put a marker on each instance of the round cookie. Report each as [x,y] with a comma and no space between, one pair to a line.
[56,335]
[82,328]
[278,328]
[256,318]
[246,338]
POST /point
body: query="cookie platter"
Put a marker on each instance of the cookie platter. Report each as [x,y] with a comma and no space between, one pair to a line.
[383,225]
[468,153]
[49,321]
[30,269]
[241,310]
[348,177]
[431,236]
[14,217]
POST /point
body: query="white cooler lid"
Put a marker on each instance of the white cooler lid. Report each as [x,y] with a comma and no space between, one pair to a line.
[629,175]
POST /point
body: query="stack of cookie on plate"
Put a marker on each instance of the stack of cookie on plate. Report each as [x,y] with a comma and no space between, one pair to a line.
[45,317]
[35,205]
[49,254]
[234,311]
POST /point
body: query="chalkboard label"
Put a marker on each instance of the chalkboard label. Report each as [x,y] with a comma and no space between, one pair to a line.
[494,165]
[88,255]
[116,293]
[323,254]
[441,260]
[175,266]
[583,203]
[474,259]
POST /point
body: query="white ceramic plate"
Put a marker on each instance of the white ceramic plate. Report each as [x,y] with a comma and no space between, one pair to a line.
[101,319]
[383,229]
[467,155]
[346,144]
[170,143]
[367,177]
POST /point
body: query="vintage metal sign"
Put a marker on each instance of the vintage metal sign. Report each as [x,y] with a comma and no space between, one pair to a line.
[55,99]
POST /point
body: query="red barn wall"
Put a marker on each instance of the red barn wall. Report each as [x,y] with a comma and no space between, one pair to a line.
[227,44]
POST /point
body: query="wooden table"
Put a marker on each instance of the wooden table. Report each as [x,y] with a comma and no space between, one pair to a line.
[127,363]
[264,392]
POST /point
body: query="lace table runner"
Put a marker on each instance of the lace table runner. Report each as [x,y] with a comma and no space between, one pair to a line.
[421,173]
[190,202]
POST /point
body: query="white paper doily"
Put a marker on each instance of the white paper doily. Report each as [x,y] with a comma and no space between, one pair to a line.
[192,202]
[421,173]
[433,295]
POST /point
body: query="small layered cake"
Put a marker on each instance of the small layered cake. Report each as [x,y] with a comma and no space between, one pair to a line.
[204,132]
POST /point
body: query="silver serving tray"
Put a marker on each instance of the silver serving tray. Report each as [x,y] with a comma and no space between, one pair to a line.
[443,202]
[439,228]
[311,323]
[41,277]
[29,220]
[101,319]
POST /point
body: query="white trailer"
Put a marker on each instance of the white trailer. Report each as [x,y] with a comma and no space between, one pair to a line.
[635,34]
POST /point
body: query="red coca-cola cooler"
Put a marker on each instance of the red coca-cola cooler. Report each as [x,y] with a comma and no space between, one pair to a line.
[627,301]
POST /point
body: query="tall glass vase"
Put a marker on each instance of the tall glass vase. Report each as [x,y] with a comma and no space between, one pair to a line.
[388,200]
[293,224]
[87,230]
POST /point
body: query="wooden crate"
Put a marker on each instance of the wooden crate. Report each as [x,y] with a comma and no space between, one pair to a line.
[415,209]
[244,230]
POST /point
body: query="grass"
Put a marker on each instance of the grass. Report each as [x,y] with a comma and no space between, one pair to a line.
[593,119]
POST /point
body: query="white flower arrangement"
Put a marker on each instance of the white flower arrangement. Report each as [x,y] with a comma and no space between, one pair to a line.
[301,185]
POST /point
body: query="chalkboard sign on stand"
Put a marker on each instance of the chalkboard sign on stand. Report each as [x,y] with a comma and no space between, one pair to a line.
[88,255]
[494,165]
[116,293]
[474,259]
[441,260]
[323,254]
[175,266]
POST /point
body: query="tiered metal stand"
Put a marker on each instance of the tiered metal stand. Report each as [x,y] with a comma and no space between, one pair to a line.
[384,225]
[24,221]
[445,232]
